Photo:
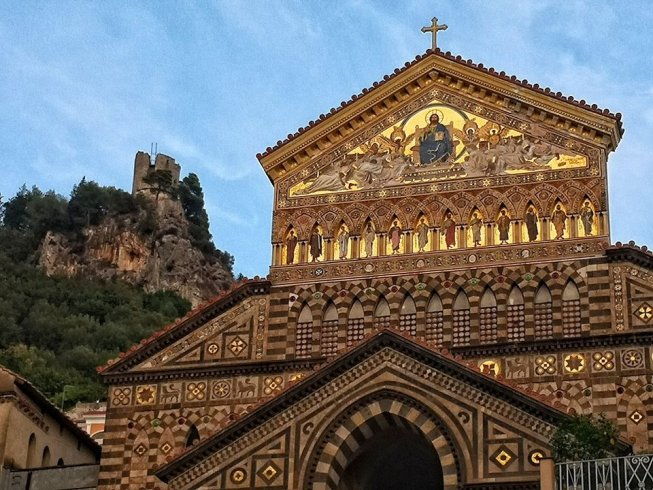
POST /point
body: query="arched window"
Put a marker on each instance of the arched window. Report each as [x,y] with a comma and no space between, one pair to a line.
[60,462]
[543,313]
[434,320]
[31,452]
[488,317]
[304,333]
[516,319]
[193,436]
[461,320]
[408,316]
[329,343]
[45,459]
[355,323]
[382,314]
[571,320]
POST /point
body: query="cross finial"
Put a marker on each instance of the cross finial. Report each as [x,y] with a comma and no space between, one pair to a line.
[433,29]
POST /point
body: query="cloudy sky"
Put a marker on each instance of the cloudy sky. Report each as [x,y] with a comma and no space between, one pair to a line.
[84,85]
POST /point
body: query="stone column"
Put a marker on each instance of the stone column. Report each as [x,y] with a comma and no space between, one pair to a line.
[435,239]
[547,474]
[327,253]
[355,247]
[303,252]
[573,226]
[489,234]
[516,231]
[545,228]
[408,242]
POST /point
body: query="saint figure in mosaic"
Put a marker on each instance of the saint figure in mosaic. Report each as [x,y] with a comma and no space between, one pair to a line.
[369,235]
[291,244]
[559,219]
[587,217]
[531,224]
[503,225]
[476,224]
[394,234]
[422,231]
[315,244]
[343,241]
[449,230]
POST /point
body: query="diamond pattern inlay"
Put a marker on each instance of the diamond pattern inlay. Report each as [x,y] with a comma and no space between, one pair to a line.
[503,457]
[269,472]
[237,345]
[636,417]
[644,312]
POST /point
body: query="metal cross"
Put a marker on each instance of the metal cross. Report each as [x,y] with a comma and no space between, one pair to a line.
[433,29]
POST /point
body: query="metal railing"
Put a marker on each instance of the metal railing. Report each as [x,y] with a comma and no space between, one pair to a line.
[625,473]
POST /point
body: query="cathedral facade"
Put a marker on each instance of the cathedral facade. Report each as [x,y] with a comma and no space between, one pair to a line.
[443,293]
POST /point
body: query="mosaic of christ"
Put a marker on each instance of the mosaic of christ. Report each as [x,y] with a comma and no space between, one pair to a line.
[439,142]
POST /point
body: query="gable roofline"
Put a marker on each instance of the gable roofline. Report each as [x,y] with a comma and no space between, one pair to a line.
[182,326]
[499,75]
[48,407]
[401,342]
[630,252]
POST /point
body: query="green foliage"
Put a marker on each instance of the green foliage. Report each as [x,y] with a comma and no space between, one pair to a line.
[90,203]
[584,437]
[161,181]
[55,331]
[192,202]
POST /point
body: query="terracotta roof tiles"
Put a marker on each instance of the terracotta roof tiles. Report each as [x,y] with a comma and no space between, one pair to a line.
[457,59]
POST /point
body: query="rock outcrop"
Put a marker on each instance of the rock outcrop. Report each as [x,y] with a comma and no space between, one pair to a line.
[117,248]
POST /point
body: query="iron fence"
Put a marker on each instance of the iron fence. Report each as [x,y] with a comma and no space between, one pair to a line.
[624,473]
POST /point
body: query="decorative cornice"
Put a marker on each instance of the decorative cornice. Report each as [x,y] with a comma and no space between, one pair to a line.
[214,371]
[173,332]
[630,252]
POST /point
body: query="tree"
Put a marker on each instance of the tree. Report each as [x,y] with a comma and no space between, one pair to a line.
[160,181]
[584,437]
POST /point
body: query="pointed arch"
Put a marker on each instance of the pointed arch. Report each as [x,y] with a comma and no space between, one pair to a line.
[166,448]
[382,314]
[435,320]
[31,452]
[571,317]
[488,317]
[543,314]
[637,424]
[192,437]
[46,457]
[516,317]
[408,316]
[355,323]
[329,337]
[139,461]
[304,333]
[461,320]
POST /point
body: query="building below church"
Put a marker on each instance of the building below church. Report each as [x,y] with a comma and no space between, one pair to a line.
[443,293]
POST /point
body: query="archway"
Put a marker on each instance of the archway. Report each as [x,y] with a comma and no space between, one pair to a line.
[385,440]
[395,458]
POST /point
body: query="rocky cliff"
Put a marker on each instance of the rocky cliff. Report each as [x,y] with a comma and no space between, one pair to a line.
[160,259]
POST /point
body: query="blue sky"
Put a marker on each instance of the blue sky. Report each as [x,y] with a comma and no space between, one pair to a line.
[84,85]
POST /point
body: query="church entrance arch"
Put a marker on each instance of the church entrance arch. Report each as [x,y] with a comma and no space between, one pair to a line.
[386,440]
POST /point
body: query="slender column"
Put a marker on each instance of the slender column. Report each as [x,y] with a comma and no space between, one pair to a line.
[545,228]
[303,252]
[463,237]
[516,231]
[408,242]
[355,247]
[328,253]
[573,229]
[489,234]
[435,239]
[381,245]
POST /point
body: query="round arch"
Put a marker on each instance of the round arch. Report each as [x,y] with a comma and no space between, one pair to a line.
[359,422]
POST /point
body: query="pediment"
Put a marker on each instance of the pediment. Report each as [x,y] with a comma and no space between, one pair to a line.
[484,113]
[222,331]
[487,418]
